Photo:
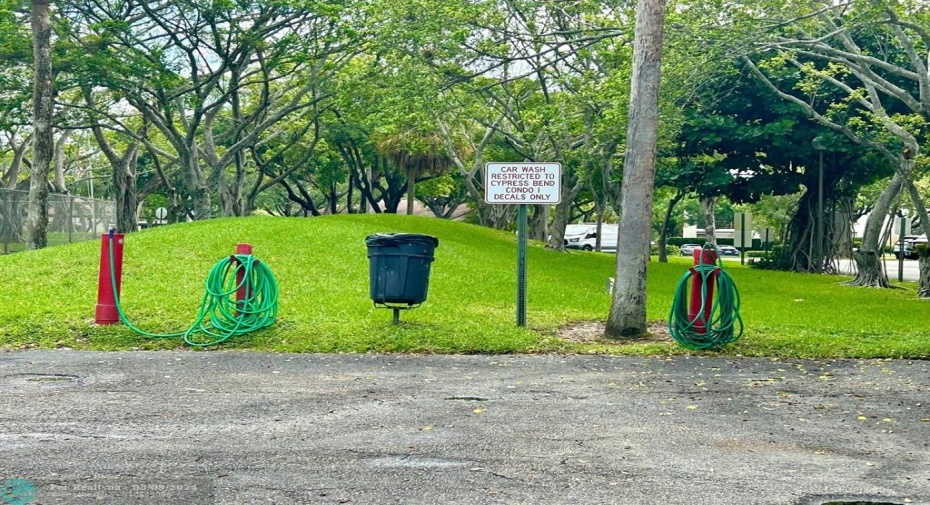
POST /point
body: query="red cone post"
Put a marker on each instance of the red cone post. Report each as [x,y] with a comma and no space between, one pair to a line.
[106,311]
[242,292]
[698,320]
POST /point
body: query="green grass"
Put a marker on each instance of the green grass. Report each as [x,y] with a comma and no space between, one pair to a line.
[321,266]
[54,239]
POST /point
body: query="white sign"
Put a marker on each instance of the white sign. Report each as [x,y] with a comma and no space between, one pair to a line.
[899,222]
[161,213]
[768,236]
[742,224]
[523,183]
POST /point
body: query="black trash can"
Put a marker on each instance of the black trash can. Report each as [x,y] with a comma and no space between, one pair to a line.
[398,267]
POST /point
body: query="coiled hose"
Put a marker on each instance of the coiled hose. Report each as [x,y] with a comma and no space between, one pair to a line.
[707,330]
[221,315]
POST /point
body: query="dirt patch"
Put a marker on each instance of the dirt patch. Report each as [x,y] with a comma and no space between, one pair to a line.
[592,332]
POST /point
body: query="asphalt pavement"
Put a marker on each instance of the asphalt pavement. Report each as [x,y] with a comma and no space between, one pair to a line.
[188,427]
[904,270]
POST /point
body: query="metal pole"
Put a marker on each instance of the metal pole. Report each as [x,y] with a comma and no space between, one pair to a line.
[93,203]
[70,217]
[742,238]
[521,265]
[901,249]
[819,250]
[244,289]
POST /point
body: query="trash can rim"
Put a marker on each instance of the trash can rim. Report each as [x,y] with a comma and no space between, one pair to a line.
[392,239]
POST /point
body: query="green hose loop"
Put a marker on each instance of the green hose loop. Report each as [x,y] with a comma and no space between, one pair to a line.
[221,316]
[724,324]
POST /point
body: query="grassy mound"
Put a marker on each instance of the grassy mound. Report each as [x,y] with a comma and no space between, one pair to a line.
[321,266]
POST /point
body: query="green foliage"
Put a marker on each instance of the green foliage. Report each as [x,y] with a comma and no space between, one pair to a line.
[15,42]
[773,259]
[443,191]
[322,269]
[691,209]
[670,250]
[15,65]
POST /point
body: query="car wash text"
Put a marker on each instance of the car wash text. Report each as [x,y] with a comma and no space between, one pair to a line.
[523,183]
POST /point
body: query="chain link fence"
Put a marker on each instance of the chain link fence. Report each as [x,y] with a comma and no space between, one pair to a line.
[70,219]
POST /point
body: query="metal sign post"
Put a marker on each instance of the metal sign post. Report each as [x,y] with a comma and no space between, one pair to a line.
[521,265]
[904,225]
[901,254]
[742,238]
[768,235]
[522,184]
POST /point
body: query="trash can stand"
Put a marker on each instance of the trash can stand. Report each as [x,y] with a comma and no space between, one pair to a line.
[399,268]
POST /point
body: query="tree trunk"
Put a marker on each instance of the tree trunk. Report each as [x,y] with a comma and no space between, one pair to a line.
[870,273]
[43,111]
[10,178]
[559,222]
[843,227]
[333,199]
[196,185]
[350,195]
[562,214]
[237,192]
[923,281]
[124,181]
[411,190]
[538,222]
[627,316]
[709,207]
[59,180]
[599,223]
[798,253]
[663,233]
[124,187]
[923,254]
[611,192]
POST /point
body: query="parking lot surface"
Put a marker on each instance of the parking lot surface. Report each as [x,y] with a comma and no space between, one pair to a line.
[242,428]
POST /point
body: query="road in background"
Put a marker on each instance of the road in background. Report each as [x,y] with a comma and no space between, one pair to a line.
[911,268]
[848,267]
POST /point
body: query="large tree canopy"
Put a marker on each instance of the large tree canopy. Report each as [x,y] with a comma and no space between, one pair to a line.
[222,108]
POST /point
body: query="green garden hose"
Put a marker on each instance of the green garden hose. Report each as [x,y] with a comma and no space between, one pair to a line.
[724,323]
[221,315]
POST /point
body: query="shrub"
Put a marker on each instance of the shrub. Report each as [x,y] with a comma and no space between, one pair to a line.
[670,250]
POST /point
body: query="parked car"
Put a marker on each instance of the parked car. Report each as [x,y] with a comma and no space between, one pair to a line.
[688,249]
[728,250]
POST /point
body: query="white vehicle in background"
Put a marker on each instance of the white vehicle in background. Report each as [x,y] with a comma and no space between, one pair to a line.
[909,249]
[688,249]
[584,237]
